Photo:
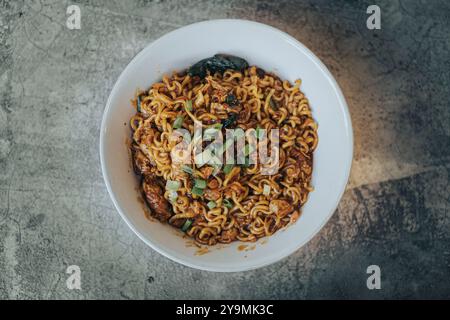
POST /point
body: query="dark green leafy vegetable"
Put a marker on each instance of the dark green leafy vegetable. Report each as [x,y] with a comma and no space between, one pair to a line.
[227,203]
[231,100]
[186,225]
[218,63]
[273,104]
[230,120]
[138,104]
[260,72]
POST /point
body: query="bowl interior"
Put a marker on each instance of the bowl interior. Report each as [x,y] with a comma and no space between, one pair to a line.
[273,51]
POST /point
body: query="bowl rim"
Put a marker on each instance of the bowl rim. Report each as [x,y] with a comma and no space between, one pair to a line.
[342,105]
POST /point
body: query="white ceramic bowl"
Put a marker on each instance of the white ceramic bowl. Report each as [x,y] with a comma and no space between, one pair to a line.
[271,50]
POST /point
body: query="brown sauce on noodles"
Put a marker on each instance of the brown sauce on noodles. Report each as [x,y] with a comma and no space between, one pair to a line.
[241,204]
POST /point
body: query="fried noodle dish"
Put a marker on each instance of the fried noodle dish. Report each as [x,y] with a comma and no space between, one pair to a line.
[223,203]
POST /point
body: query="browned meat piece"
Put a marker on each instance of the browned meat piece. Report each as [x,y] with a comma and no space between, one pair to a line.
[178,223]
[141,163]
[213,184]
[206,172]
[211,194]
[155,199]
[144,135]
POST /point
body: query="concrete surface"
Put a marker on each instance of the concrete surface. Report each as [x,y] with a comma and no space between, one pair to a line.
[54,207]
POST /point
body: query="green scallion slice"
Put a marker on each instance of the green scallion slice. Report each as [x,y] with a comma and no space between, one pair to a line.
[217,126]
[189,105]
[187,169]
[211,204]
[227,168]
[227,203]
[197,191]
[178,123]
[172,185]
[200,183]
[186,225]
[173,196]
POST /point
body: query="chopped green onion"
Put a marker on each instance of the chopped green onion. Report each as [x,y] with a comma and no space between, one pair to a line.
[227,168]
[200,183]
[173,195]
[172,185]
[211,204]
[186,225]
[187,169]
[230,120]
[231,100]
[197,191]
[189,105]
[266,190]
[217,126]
[227,203]
[178,123]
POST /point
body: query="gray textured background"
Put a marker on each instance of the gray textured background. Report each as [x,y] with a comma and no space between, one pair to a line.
[54,207]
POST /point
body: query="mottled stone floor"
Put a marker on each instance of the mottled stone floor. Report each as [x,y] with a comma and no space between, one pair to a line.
[54,207]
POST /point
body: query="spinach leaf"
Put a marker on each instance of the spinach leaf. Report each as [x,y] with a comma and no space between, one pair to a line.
[218,63]
[230,120]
